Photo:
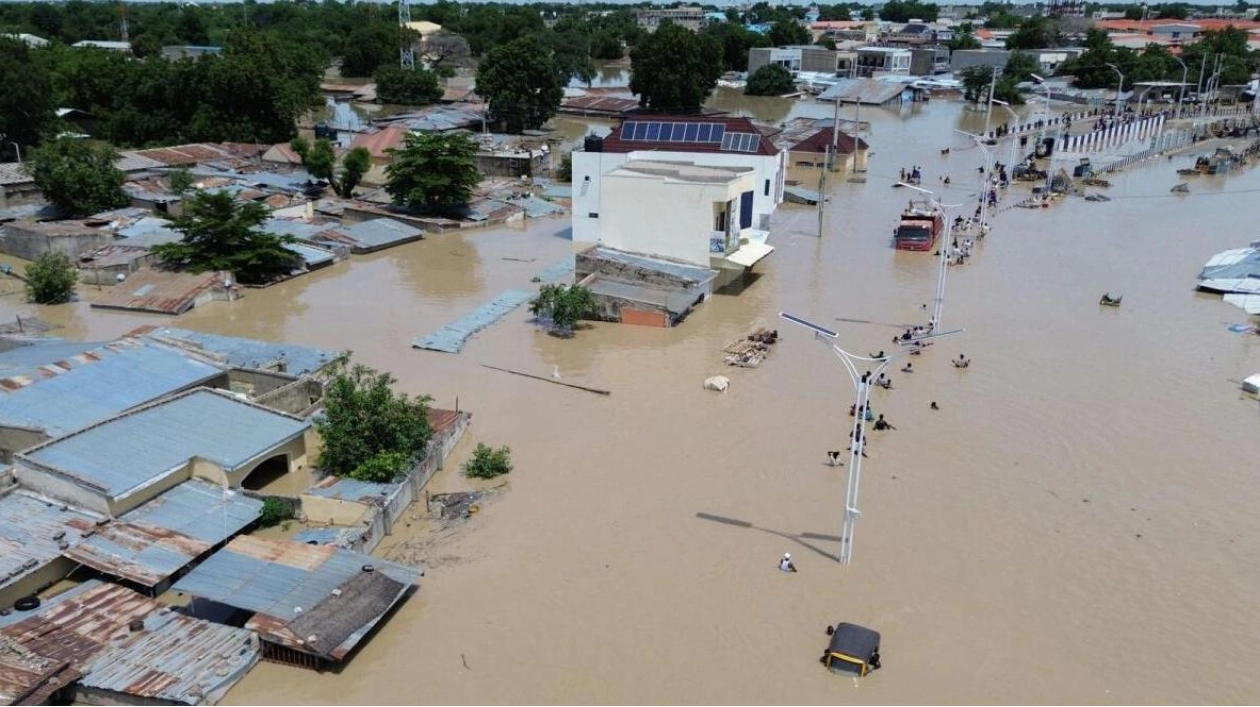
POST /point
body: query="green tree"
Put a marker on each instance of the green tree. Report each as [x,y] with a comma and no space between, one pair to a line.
[369,47]
[734,41]
[412,87]
[607,45]
[370,431]
[571,54]
[562,307]
[274,512]
[977,80]
[964,40]
[51,279]
[674,69]
[320,160]
[179,180]
[906,10]
[788,32]
[433,171]
[770,80]
[487,462]
[1035,33]
[76,177]
[220,234]
[26,99]
[522,84]
[564,173]
[1020,66]
[354,164]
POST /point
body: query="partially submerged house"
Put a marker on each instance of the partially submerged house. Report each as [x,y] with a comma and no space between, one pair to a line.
[109,645]
[633,288]
[150,545]
[167,292]
[703,215]
[704,141]
[118,464]
[35,533]
[312,605]
[815,142]
[29,239]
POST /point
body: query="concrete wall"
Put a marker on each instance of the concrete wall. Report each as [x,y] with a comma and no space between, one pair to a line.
[18,439]
[587,263]
[664,216]
[333,511]
[295,450]
[590,167]
[302,397]
[53,485]
[38,579]
[16,241]
[967,58]
[254,382]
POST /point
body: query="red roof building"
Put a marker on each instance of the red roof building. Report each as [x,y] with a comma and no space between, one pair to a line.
[692,134]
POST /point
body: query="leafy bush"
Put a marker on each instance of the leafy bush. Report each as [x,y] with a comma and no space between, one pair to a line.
[412,87]
[564,306]
[383,467]
[565,172]
[770,80]
[51,279]
[274,512]
[487,463]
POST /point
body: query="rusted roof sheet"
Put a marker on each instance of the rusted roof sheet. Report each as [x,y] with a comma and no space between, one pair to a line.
[443,420]
[154,541]
[166,657]
[26,676]
[161,291]
[33,531]
[112,256]
[281,580]
[379,144]
[598,105]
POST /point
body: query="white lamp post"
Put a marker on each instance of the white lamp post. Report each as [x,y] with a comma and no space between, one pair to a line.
[938,306]
[1015,119]
[862,386]
[1119,88]
[984,179]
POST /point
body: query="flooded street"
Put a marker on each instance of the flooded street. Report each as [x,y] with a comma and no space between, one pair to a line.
[1076,524]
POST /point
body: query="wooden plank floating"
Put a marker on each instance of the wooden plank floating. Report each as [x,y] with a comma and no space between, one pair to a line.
[596,391]
[751,350]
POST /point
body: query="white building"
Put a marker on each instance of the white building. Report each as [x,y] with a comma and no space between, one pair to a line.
[882,61]
[701,141]
[680,210]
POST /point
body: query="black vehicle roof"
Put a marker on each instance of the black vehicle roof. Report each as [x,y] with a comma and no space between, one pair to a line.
[853,640]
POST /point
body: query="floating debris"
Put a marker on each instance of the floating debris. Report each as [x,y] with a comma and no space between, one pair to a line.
[750,351]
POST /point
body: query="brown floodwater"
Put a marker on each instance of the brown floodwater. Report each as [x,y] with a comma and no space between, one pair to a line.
[1076,524]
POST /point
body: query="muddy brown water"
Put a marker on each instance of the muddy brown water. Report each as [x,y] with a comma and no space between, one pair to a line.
[1076,524]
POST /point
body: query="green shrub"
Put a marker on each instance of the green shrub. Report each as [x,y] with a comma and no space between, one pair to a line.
[274,512]
[487,463]
[51,279]
[383,467]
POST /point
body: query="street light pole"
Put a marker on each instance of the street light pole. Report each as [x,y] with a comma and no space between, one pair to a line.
[984,179]
[938,305]
[1119,88]
[862,386]
[1015,121]
[1181,90]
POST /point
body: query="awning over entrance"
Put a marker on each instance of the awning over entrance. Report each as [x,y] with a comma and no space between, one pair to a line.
[749,254]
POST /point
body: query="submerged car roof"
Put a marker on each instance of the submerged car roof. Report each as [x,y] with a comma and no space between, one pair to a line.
[853,640]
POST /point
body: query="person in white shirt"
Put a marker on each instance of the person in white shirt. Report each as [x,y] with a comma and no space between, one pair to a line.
[785,564]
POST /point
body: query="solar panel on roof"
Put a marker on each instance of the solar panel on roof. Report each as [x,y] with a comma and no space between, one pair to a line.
[653,132]
[680,131]
[718,132]
[629,130]
[728,141]
[692,129]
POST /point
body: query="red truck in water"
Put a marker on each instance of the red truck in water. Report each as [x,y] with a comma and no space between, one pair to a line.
[920,226]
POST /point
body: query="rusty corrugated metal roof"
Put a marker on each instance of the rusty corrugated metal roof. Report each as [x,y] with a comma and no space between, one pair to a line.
[166,656]
[161,291]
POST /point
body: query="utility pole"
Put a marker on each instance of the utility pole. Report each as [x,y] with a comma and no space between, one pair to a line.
[406,55]
[122,10]
[822,188]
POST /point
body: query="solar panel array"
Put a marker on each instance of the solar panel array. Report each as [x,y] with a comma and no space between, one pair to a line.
[652,131]
[741,142]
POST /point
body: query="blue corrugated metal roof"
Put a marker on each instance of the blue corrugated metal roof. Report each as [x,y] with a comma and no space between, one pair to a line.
[451,337]
[281,578]
[24,360]
[379,232]
[129,373]
[251,353]
[28,529]
[347,489]
[132,450]
[311,255]
[159,538]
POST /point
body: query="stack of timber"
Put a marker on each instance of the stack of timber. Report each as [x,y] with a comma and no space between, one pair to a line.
[751,350]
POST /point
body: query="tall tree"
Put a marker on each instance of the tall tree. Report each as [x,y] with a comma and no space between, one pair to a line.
[522,84]
[76,177]
[788,32]
[220,234]
[674,69]
[1035,33]
[371,432]
[433,171]
[770,80]
[26,100]
[906,10]
[412,87]
[735,41]
[369,47]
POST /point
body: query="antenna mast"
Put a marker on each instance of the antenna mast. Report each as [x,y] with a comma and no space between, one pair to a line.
[406,55]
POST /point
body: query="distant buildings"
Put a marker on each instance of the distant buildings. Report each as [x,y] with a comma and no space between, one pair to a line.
[691,17]
[810,58]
